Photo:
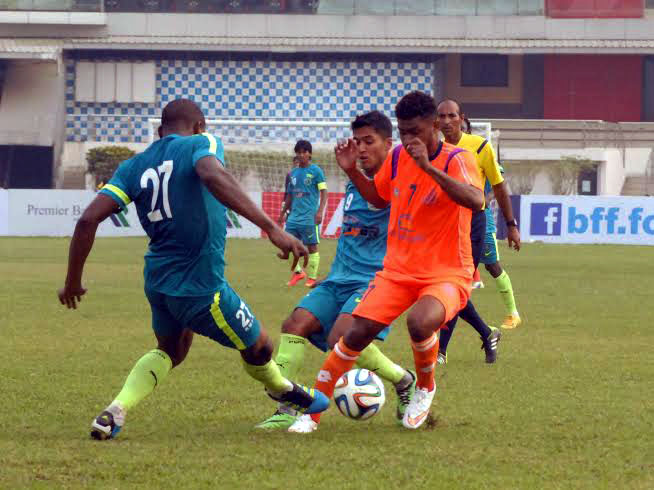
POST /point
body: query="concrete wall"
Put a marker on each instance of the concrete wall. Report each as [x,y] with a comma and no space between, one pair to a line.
[187,26]
[32,104]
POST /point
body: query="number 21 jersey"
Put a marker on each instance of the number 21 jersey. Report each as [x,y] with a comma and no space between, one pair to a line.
[185,223]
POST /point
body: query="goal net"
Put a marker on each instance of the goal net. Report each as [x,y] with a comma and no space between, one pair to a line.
[259,153]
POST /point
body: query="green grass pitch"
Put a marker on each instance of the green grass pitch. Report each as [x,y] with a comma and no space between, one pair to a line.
[568,405]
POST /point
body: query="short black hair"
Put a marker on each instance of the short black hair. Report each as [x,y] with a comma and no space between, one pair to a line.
[375,120]
[181,112]
[468,126]
[303,145]
[415,104]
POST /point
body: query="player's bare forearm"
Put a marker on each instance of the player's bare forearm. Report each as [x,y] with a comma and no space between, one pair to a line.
[366,188]
[461,193]
[80,247]
[321,207]
[224,187]
[288,199]
[503,200]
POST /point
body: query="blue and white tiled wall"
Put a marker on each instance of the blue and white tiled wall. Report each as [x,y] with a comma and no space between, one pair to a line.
[253,89]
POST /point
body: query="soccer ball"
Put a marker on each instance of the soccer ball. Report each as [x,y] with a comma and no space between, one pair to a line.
[359,394]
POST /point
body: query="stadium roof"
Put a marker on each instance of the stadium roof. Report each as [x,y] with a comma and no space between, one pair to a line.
[50,49]
[385,45]
[30,49]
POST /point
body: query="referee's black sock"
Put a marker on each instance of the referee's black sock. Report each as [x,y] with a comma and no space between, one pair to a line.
[470,315]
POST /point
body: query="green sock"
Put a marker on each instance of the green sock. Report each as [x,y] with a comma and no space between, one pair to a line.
[314,262]
[269,375]
[147,373]
[372,359]
[503,282]
[290,354]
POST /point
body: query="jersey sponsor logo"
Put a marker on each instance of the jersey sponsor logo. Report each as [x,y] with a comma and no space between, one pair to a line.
[545,219]
[119,220]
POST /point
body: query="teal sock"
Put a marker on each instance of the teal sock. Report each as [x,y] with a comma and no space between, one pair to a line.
[503,282]
[148,372]
[372,359]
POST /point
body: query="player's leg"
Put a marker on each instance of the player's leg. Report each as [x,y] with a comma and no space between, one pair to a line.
[298,274]
[173,343]
[477,283]
[437,304]
[319,307]
[373,359]
[491,260]
[228,320]
[490,336]
[383,302]
[312,239]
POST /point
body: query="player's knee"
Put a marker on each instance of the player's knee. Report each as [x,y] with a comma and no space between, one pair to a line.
[494,270]
[361,333]
[260,352]
[300,323]
[422,325]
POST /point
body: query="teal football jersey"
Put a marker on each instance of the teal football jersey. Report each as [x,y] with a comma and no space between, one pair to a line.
[305,185]
[185,223]
[362,244]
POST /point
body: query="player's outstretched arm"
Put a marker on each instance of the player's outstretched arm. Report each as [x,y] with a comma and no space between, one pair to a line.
[346,156]
[224,187]
[463,193]
[504,202]
[80,247]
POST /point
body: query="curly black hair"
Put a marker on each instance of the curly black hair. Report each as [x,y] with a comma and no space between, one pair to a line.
[375,120]
[415,104]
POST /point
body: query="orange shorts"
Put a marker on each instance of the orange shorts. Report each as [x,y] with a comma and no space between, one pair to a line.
[390,294]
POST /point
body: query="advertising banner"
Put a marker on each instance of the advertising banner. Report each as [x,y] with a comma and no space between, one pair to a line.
[4,212]
[55,212]
[588,219]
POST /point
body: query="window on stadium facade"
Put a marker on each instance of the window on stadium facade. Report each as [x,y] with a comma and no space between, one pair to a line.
[484,70]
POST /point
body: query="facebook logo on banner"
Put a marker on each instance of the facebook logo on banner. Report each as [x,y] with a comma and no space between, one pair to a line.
[545,219]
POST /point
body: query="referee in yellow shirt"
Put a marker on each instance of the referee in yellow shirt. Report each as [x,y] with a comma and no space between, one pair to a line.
[451,120]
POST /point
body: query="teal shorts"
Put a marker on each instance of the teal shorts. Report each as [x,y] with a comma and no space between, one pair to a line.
[223,317]
[307,234]
[329,300]
[490,255]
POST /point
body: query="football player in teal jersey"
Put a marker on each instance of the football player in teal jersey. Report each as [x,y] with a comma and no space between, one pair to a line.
[324,314]
[305,197]
[180,189]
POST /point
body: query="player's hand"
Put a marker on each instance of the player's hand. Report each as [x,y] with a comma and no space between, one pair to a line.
[418,151]
[513,237]
[71,295]
[318,218]
[346,152]
[288,244]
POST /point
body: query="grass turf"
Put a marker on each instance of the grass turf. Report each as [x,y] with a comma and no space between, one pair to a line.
[568,405]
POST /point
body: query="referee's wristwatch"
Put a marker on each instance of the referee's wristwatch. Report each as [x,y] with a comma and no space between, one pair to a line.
[513,222]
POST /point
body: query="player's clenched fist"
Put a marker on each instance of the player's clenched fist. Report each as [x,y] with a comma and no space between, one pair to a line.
[346,152]
[418,151]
